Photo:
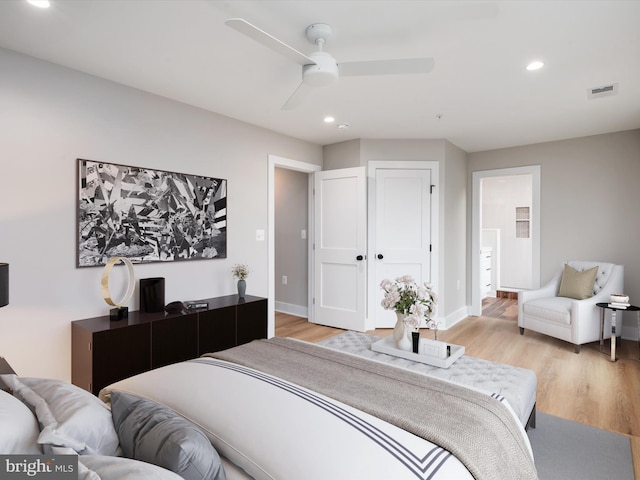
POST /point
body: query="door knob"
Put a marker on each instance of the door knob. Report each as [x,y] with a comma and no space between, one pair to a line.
[359,258]
[380,256]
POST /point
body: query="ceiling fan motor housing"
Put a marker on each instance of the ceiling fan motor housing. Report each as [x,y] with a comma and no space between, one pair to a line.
[324,73]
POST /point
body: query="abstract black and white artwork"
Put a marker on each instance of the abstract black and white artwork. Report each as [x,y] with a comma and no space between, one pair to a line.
[148,215]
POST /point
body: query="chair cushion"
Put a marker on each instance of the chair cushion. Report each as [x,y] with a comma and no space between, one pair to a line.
[554,309]
[578,285]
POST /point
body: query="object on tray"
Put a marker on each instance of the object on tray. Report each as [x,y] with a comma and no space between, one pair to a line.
[387,345]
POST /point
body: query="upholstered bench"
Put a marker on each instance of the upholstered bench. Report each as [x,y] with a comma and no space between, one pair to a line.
[516,385]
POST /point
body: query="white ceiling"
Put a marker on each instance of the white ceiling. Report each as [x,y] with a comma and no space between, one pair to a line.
[181,49]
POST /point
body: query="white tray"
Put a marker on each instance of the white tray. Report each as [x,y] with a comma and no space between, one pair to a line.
[388,345]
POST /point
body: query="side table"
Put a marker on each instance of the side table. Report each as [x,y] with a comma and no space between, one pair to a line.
[607,306]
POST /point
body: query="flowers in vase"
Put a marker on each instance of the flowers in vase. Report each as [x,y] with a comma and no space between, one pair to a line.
[240,271]
[416,302]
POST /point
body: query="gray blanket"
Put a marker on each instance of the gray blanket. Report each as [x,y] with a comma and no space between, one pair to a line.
[476,428]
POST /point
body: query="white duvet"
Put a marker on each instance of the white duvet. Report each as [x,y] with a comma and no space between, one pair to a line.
[273,429]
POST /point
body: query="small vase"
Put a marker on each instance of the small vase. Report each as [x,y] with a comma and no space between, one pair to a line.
[242,287]
[399,329]
[415,341]
[405,342]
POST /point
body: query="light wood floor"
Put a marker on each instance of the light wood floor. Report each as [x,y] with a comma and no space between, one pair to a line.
[585,387]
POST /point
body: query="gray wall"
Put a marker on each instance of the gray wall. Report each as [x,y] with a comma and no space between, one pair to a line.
[291,250]
[49,117]
[589,200]
[453,266]
[341,155]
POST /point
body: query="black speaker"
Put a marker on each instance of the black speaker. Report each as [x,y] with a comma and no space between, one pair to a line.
[4,284]
[151,294]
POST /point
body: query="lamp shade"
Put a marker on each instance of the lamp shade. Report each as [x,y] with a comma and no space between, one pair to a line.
[4,284]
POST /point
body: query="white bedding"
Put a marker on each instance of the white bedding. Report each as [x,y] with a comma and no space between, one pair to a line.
[273,429]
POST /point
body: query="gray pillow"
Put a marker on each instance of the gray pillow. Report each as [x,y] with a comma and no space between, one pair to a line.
[69,416]
[156,434]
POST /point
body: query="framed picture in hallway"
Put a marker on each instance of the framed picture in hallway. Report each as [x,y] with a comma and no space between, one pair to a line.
[148,215]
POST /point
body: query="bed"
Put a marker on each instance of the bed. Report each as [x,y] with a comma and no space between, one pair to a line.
[282,408]
[277,409]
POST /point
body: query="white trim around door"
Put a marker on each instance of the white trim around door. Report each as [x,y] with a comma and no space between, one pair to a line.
[281,162]
[476,223]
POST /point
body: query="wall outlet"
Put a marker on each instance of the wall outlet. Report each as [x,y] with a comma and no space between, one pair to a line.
[260,235]
[303,234]
[284,279]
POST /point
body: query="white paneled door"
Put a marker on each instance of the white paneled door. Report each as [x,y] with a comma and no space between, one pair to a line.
[340,264]
[402,231]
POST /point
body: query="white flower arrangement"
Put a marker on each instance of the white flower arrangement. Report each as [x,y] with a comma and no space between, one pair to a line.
[240,271]
[415,302]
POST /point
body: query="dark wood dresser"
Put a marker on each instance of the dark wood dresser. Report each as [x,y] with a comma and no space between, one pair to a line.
[104,351]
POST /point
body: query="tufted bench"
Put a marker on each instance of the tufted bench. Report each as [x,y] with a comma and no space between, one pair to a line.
[516,385]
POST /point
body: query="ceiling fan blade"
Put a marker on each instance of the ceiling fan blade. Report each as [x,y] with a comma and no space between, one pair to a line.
[387,67]
[267,40]
[297,97]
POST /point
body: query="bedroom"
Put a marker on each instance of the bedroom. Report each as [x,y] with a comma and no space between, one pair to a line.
[52,115]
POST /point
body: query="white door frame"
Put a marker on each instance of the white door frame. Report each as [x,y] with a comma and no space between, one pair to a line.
[372,166]
[534,171]
[281,162]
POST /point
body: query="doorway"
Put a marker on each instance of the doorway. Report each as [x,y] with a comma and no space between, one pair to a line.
[505,230]
[291,241]
[284,163]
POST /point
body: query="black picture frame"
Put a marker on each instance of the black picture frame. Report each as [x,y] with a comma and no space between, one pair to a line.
[148,215]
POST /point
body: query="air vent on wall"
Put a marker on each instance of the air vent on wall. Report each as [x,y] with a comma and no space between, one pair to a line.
[603,91]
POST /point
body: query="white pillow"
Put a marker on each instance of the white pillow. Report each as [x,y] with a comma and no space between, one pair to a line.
[98,467]
[69,416]
[18,427]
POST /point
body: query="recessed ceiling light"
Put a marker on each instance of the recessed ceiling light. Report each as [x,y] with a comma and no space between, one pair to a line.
[535,65]
[329,119]
[40,3]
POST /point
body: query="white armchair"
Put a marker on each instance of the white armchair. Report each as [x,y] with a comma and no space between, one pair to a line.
[575,321]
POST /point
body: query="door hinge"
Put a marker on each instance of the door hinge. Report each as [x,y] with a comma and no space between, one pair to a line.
[431,189]
[430,247]
[313,301]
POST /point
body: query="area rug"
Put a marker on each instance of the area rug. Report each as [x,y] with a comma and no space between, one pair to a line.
[565,450]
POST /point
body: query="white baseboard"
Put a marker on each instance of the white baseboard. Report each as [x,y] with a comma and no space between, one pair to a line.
[630,332]
[455,317]
[291,309]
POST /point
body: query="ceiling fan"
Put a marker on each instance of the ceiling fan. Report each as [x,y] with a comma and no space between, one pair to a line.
[320,69]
